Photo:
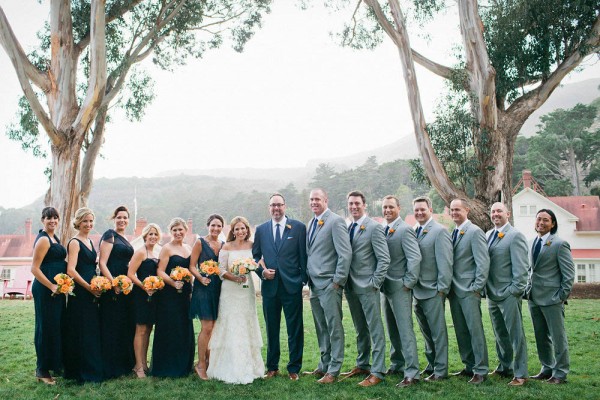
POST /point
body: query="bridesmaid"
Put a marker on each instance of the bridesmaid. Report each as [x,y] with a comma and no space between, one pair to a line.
[142,265]
[116,313]
[82,351]
[173,347]
[48,260]
[206,290]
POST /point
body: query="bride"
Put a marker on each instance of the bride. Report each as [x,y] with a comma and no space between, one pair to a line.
[235,345]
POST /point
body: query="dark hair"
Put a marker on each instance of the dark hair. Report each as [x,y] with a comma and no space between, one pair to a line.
[50,212]
[357,193]
[118,210]
[215,216]
[552,217]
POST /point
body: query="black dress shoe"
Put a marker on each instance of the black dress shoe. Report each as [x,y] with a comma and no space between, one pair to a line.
[503,374]
[434,378]
[463,372]
[477,379]
[392,372]
[541,377]
[556,381]
[426,372]
[406,382]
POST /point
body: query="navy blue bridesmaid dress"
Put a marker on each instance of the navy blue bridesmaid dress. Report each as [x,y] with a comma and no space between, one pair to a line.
[205,299]
[143,305]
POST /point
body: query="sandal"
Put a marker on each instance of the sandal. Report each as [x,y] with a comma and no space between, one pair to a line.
[139,372]
[201,372]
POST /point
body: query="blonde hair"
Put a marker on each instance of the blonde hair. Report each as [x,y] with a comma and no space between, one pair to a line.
[233,223]
[80,215]
[147,228]
[178,221]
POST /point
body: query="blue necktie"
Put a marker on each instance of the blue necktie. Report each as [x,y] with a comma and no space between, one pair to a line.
[454,235]
[492,238]
[277,236]
[352,231]
[536,249]
[312,230]
[387,229]
[419,229]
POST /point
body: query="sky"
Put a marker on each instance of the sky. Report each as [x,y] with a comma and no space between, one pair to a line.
[293,95]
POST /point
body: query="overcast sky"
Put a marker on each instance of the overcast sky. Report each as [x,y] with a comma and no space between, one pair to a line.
[292,95]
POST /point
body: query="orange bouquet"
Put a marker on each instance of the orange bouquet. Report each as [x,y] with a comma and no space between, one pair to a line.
[124,283]
[65,285]
[100,283]
[153,283]
[243,266]
[209,267]
[180,274]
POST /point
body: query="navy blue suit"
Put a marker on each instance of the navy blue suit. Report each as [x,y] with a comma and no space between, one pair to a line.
[285,290]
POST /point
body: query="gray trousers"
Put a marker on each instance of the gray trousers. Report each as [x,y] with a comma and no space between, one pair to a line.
[430,315]
[326,307]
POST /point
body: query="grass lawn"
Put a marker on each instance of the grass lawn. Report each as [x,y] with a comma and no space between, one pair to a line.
[17,366]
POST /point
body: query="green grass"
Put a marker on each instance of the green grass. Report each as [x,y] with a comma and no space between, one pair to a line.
[17,366]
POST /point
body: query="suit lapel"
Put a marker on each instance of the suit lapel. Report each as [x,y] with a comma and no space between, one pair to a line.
[461,233]
[319,226]
[359,229]
[284,235]
[545,245]
[425,228]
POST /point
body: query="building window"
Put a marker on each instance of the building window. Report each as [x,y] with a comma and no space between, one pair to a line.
[523,210]
[5,275]
[592,272]
[532,210]
[581,273]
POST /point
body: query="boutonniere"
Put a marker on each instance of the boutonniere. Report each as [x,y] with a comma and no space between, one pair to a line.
[392,230]
[321,222]
[500,235]
[362,227]
[462,233]
[548,243]
[425,231]
[288,226]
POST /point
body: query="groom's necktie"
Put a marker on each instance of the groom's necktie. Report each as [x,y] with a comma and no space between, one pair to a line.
[351,230]
[277,236]
[312,230]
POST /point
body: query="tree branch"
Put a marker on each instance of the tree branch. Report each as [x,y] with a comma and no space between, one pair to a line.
[13,48]
[91,154]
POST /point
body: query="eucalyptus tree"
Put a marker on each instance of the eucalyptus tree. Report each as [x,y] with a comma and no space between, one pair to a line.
[86,62]
[514,54]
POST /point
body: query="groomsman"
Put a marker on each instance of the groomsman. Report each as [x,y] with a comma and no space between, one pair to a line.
[281,243]
[329,255]
[402,276]
[432,288]
[370,262]
[551,276]
[470,273]
[505,287]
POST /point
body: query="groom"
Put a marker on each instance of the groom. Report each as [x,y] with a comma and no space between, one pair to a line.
[281,243]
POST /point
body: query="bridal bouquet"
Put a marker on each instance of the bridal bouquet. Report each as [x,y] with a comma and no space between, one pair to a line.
[65,285]
[153,283]
[180,274]
[209,267]
[243,266]
[124,283]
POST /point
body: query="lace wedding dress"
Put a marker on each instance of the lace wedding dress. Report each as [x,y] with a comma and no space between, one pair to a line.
[235,344]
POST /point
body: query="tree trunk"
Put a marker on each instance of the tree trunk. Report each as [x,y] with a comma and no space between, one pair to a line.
[65,183]
[574,172]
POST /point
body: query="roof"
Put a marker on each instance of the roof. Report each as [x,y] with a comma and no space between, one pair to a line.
[580,254]
[586,208]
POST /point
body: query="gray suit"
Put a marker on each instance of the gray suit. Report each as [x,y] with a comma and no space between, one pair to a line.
[329,255]
[471,268]
[370,262]
[402,276]
[505,286]
[549,285]
[433,285]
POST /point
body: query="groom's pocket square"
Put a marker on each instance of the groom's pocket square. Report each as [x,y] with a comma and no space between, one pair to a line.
[290,237]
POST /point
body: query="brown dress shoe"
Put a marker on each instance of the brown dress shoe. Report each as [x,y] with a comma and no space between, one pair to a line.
[355,371]
[316,372]
[541,377]
[556,381]
[517,381]
[370,380]
[502,374]
[477,379]
[293,376]
[48,380]
[327,379]
[463,372]
[271,374]
[406,382]
[434,378]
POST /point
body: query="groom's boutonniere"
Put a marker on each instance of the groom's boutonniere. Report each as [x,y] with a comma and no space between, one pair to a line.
[288,226]
[321,222]
[500,235]
[362,227]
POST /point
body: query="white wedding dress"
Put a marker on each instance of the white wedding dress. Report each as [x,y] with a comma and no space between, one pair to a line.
[235,344]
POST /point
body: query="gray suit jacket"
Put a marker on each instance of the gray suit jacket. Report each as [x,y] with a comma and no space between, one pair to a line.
[436,263]
[405,258]
[551,277]
[471,261]
[509,264]
[329,252]
[370,257]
